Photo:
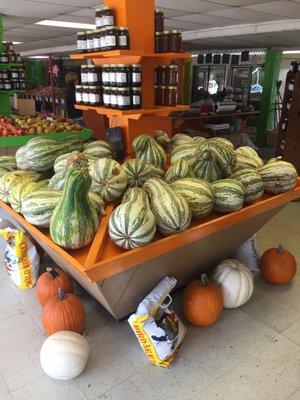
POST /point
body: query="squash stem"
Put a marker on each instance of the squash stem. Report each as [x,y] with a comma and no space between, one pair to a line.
[204,279]
[52,272]
[280,249]
[61,294]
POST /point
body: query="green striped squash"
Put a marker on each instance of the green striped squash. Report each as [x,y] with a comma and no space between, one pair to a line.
[246,161]
[278,176]
[109,179]
[21,190]
[249,152]
[180,139]
[8,163]
[170,209]
[97,202]
[74,221]
[163,139]
[252,182]
[37,207]
[98,149]
[21,159]
[187,151]
[11,179]
[228,195]
[42,152]
[180,169]
[148,150]
[221,140]
[132,223]
[61,163]
[156,172]
[138,171]
[198,194]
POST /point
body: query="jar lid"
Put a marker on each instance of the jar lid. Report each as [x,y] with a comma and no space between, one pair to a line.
[94,87]
[105,65]
[135,65]
[175,31]
[99,9]
[167,32]
[158,10]
[111,27]
[106,87]
[84,66]
[84,87]
[122,65]
[81,33]
[123,89]
[173,66]
[107,8]
[162,87]
[123,28]
[89,32]
[158,33]
[78,86]
[172,87]
[91,66]
[97,31]
[138,88]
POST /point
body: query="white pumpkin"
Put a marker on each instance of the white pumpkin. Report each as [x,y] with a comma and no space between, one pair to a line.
[235,281]
[64,355]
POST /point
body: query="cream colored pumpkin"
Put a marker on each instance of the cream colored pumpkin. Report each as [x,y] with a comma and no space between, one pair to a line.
[235,281]
[64,355]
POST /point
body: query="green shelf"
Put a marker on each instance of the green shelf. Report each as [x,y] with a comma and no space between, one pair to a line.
[11,92]
[9,65]
[15,141]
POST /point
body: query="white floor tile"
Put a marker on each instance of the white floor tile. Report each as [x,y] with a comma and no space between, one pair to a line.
[46,388]
[216,391]
[134,388]
[106,368]
[3,387]
[295,396]
[21,364]
[293,332]
[9,303]
[272,312]
[252,380]
[7,397]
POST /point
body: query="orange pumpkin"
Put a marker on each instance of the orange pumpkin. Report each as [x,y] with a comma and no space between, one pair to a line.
[50,281]
[64,312]
[202,302]
[278,266]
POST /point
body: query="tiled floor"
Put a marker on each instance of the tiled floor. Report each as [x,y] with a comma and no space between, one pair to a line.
[251,353]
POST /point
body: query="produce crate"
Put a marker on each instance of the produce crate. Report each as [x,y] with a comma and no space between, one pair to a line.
[119,279]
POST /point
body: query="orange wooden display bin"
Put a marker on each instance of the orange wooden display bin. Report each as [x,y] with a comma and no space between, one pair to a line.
[119,279]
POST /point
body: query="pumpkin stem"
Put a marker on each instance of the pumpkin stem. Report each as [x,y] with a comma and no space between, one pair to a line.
[280,249]
[61,294]
[52,272]
[204,279]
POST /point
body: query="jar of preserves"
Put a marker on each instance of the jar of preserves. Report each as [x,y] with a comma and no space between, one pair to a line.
[159,20]
[14,73]
[156,95]
[95,97]
[11,57]
[164,75]
[124,98]
[166,41]
[85,95]
[105,74]
[4,58]
[84,74]
[81,42]
[92,74]
[21,73]
[7,84]
[98,18]
[114,97]
[113,71]
[175,42]
[123,38]
[107,16]
[8,47]
[164,96]
[102,39]
[18,58]
[123,75]
[136,75]
[106,96]
[5,74]
[78,94]
[136,97]
[1,84]
[15,84]
[97,40]
[111,34]
[171,96]
[90,41]
[22,84]
[172,75]
[158,43]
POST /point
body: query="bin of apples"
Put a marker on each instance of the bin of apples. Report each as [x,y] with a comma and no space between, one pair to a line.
[8,128]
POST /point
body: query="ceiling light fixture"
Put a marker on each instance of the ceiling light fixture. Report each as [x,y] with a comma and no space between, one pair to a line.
[65,24]
[38,57]
[17,42]
[291,52]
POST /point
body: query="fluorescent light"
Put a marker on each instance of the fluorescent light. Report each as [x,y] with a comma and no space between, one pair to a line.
[65,24]
[291,52]
[17,42]
[38,57]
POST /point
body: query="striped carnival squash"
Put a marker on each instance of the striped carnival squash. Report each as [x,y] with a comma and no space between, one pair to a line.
[137,171]
[170,209]
[98,149]
[246,161]
[74,220]
[132,223]
[180,139]
[11,179]
[147,149]
[278,176]
[156,172]
[180,169]
[221,140]
[198,194]
[8,163]
[22,189]
[21,159]
[42,152]
[187,151]
[97,202]
[109,179]
[163,139]
[228,195]
[252,182]
[37,207]
[249,152]
[61,162]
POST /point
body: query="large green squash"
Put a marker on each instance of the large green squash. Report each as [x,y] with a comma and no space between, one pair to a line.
[11,179]
[98,149]
[74,221]
[179,170]
[21,159]
[252,182]
[7,164]
[278,176]
[22,189]
[147,149]
[138,171]
[228,195]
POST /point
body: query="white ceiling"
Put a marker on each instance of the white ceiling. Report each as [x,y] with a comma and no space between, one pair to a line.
[20,17]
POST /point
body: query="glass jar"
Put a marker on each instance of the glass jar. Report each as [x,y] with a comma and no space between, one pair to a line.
[7,84]
[98,18]
[164,75]
[1,84]
[123,75]
[8,47]
[159,20]
[124,98]
[114,97]
[95,97]
[172,75]
[22,84]
[106,96]
[84,74]
[85,95]
[21,73]
[163,95]
[15,84]
[136,75]
[156,98]
[136,97]
[175,42]
[92,74]
[105,74]
[123,38]
[90,41]
[78,94]
[111,34]
[11,57]
[113,68]
[158,44]
[171,96]
[107,16]
[4,58]
[102,39]
[81,42]
[18,58]
[97,40]
[166,41]
[158,75]
[14,73]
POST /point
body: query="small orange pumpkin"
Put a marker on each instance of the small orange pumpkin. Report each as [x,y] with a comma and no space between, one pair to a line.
[202,302]
[64,312]
[50,281]
[278,266]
